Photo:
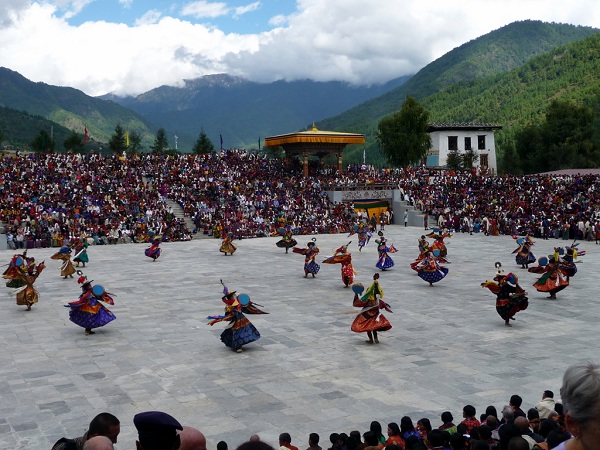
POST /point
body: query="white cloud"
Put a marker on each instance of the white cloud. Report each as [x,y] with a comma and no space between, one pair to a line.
[72,7]
[202,9]
[148,18]
[126,3]
[346,40]
[241,10]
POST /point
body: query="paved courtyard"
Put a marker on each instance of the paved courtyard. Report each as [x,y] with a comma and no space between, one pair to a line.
[308,372]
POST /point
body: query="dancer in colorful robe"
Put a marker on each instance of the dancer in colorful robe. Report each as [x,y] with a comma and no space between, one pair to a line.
[154,250]
[364,236]
[438,242]
[27,295]
[553,281]
[524,255]
[423,251]
[81,255]
[67,269]
[287,241]
[19,264]
[429,268]
[370,320]
[342,256]
[567,262]
[88,312]
[240,330]
[385,261]
[227,246]
[510,296]
[310,254]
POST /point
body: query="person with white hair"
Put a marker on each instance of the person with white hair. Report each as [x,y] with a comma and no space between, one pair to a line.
[580,394]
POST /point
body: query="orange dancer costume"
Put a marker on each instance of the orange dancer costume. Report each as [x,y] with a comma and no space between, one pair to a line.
[553,281]
[227,246]
[27,295]
[370,320]
[344,257]
[67,269]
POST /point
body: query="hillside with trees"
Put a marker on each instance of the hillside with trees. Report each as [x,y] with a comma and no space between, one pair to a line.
[483,60]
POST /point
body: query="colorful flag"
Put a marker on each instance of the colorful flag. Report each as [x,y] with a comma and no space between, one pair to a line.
[126,138]
[85,136]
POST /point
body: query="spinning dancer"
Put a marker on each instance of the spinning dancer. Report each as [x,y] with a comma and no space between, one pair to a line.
[240,330]
[385,261]
[553,281]
[88,312]
[438,242]
[67,269]
[27,295]
[310,254]
[154,250]
[287,240]
[524,255]
[364,236]
[370,320]
[423,251]
[343,257]
[80,248]
[429,268]
[227,246]
[510,297]
[19,264]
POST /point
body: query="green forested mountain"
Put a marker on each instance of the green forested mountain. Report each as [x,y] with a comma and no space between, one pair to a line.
[521,96]
[482,60]
[68,107]
[20,128]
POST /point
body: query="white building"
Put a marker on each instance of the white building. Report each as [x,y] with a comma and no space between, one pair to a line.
[461,137]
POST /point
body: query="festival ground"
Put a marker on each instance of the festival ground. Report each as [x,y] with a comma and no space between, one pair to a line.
[308,373]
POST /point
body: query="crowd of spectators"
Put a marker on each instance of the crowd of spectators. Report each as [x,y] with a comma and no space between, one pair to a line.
[50,199]
[545,426]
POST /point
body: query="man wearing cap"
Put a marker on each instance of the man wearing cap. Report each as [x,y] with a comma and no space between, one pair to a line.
[156,431]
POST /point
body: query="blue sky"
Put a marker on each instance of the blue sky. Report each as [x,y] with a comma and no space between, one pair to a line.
[230,17]
[128,47]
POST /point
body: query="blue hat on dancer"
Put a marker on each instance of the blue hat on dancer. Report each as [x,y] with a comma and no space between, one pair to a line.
[64,250]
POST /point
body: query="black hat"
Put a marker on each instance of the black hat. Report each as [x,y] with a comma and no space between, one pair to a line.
[156,425]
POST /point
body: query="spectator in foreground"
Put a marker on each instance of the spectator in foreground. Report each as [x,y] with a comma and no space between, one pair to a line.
[580,394]
[157,431]
[98,443]
[191,439]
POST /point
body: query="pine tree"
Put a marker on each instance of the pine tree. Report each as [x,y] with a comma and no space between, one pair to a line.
[203,144]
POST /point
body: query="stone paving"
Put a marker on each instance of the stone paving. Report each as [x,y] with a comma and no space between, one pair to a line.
[308,372]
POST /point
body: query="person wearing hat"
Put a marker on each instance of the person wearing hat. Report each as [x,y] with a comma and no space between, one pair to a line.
[510,297]
[364,236]
[344,257]
[154,250]
[67,269]
[157,431]
[27,295]
[385,261]
[88,312]
[370,320]
[240,330]
[227,246]
[554,280]
[310,254]
[287,241]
